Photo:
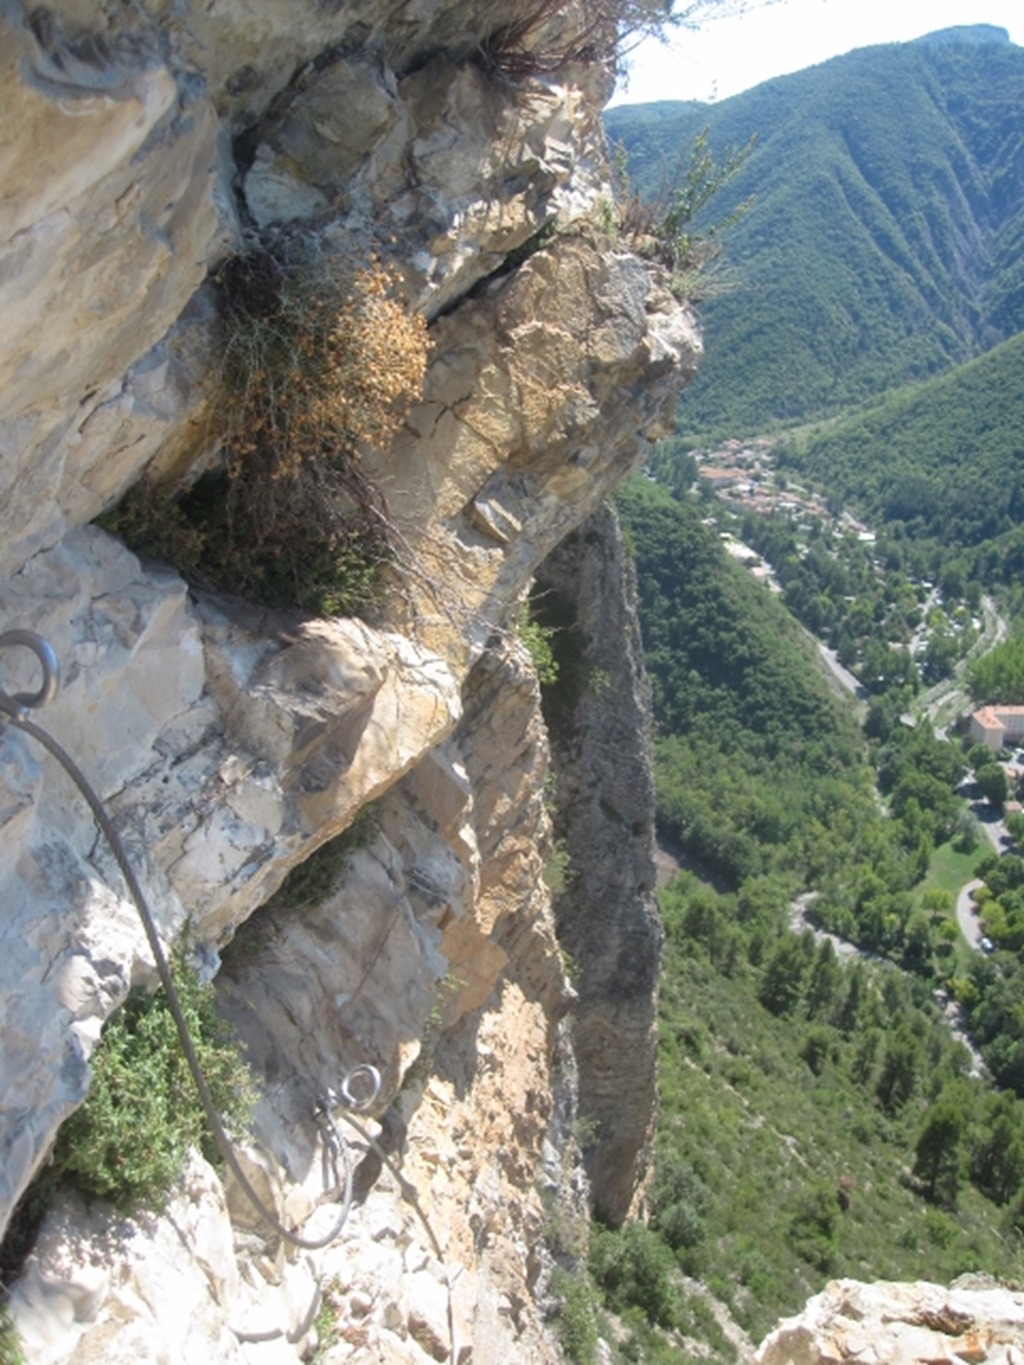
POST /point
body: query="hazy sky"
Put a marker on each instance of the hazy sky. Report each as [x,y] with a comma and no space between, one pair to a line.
[728,55]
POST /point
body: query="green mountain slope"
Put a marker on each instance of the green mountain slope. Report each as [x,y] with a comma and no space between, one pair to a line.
[886,240]
[944,459]
[751,744]
[799,1095]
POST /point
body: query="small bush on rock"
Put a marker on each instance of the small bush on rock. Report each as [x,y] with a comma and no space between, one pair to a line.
[576,1315]
[311,882]
[129,1141]
[664,227]
[537,639]
[321,357]
[10,1343]
[547,36]
[320,361]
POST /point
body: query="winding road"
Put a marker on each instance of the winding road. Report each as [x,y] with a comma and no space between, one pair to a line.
[966,916]
[940,705]
[951,1009]
[842,675]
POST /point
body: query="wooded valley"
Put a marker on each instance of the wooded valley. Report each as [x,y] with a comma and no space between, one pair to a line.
[819,1116]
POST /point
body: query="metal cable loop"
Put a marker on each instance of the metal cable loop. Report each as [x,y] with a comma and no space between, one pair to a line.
[13,708]
[359,1087]
[30,639]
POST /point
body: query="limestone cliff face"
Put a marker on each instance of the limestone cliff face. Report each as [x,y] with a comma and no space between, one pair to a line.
[144,146]
[973,1320]
[607,917]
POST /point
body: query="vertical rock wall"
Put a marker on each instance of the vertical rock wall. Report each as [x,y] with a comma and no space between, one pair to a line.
[599,720]
[145,145]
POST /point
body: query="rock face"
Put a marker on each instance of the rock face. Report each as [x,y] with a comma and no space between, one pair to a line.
[599,718]
[145,146]
[973,1321]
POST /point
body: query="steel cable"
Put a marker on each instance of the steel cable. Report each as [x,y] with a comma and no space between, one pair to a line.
[14,709]
[359,1077]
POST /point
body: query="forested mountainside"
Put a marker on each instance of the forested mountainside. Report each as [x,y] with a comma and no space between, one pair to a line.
[885,239]
[817,1119]
[750,743]
[940,463]
[761,770]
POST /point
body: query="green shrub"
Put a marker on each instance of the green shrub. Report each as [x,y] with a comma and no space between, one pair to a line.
[663,228]
[129,1140]
[537,639]
[633,1268]
[818,1046]
[576,1317]
[680,1200]
[11,1352]
[327,1323]
[940,1229]
[558,872]
[813,1226]
[312,881]
[152,522]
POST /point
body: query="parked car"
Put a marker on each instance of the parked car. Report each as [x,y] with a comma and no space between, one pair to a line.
[986,945]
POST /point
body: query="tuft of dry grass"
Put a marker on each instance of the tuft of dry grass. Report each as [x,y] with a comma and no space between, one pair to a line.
[321,359]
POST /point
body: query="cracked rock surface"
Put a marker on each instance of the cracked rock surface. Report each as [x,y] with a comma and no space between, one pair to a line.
[144,146]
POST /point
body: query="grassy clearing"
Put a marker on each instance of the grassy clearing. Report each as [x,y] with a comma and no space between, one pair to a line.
[949,870]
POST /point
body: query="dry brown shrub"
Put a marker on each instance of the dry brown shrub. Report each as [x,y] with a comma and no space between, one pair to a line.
[546,36]
[321,360]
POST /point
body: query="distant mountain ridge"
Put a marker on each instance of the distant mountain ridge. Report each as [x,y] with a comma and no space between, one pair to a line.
[967,33]
[886,240]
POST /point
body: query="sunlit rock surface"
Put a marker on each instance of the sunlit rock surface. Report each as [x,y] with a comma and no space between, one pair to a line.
[973,1321]
[142,149]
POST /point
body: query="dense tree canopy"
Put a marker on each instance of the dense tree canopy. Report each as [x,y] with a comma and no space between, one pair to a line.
[750,740]
[940,464]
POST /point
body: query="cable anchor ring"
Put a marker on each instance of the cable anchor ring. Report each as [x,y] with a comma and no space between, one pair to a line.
[360,1086]
[32,640]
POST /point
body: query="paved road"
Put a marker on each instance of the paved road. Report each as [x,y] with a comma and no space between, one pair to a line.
[842,675]
[951,1009]
[949,698]
[992,822]
[965,915]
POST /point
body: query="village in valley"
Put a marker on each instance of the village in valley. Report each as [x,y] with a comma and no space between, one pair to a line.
[876,620]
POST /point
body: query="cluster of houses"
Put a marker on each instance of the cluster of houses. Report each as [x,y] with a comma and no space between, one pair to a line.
[740,472]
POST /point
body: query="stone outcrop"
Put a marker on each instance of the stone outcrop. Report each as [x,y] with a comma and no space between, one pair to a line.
[530,418]
[228,744]
[973,1322]
[608,924]
[436,946]
[144,146]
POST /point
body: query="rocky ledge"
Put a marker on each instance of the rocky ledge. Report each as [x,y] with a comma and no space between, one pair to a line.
[145,146]
[973,1322]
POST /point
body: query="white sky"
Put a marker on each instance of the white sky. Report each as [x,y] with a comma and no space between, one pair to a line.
[727,55]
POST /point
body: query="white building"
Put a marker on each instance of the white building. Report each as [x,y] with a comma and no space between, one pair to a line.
[993,726]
